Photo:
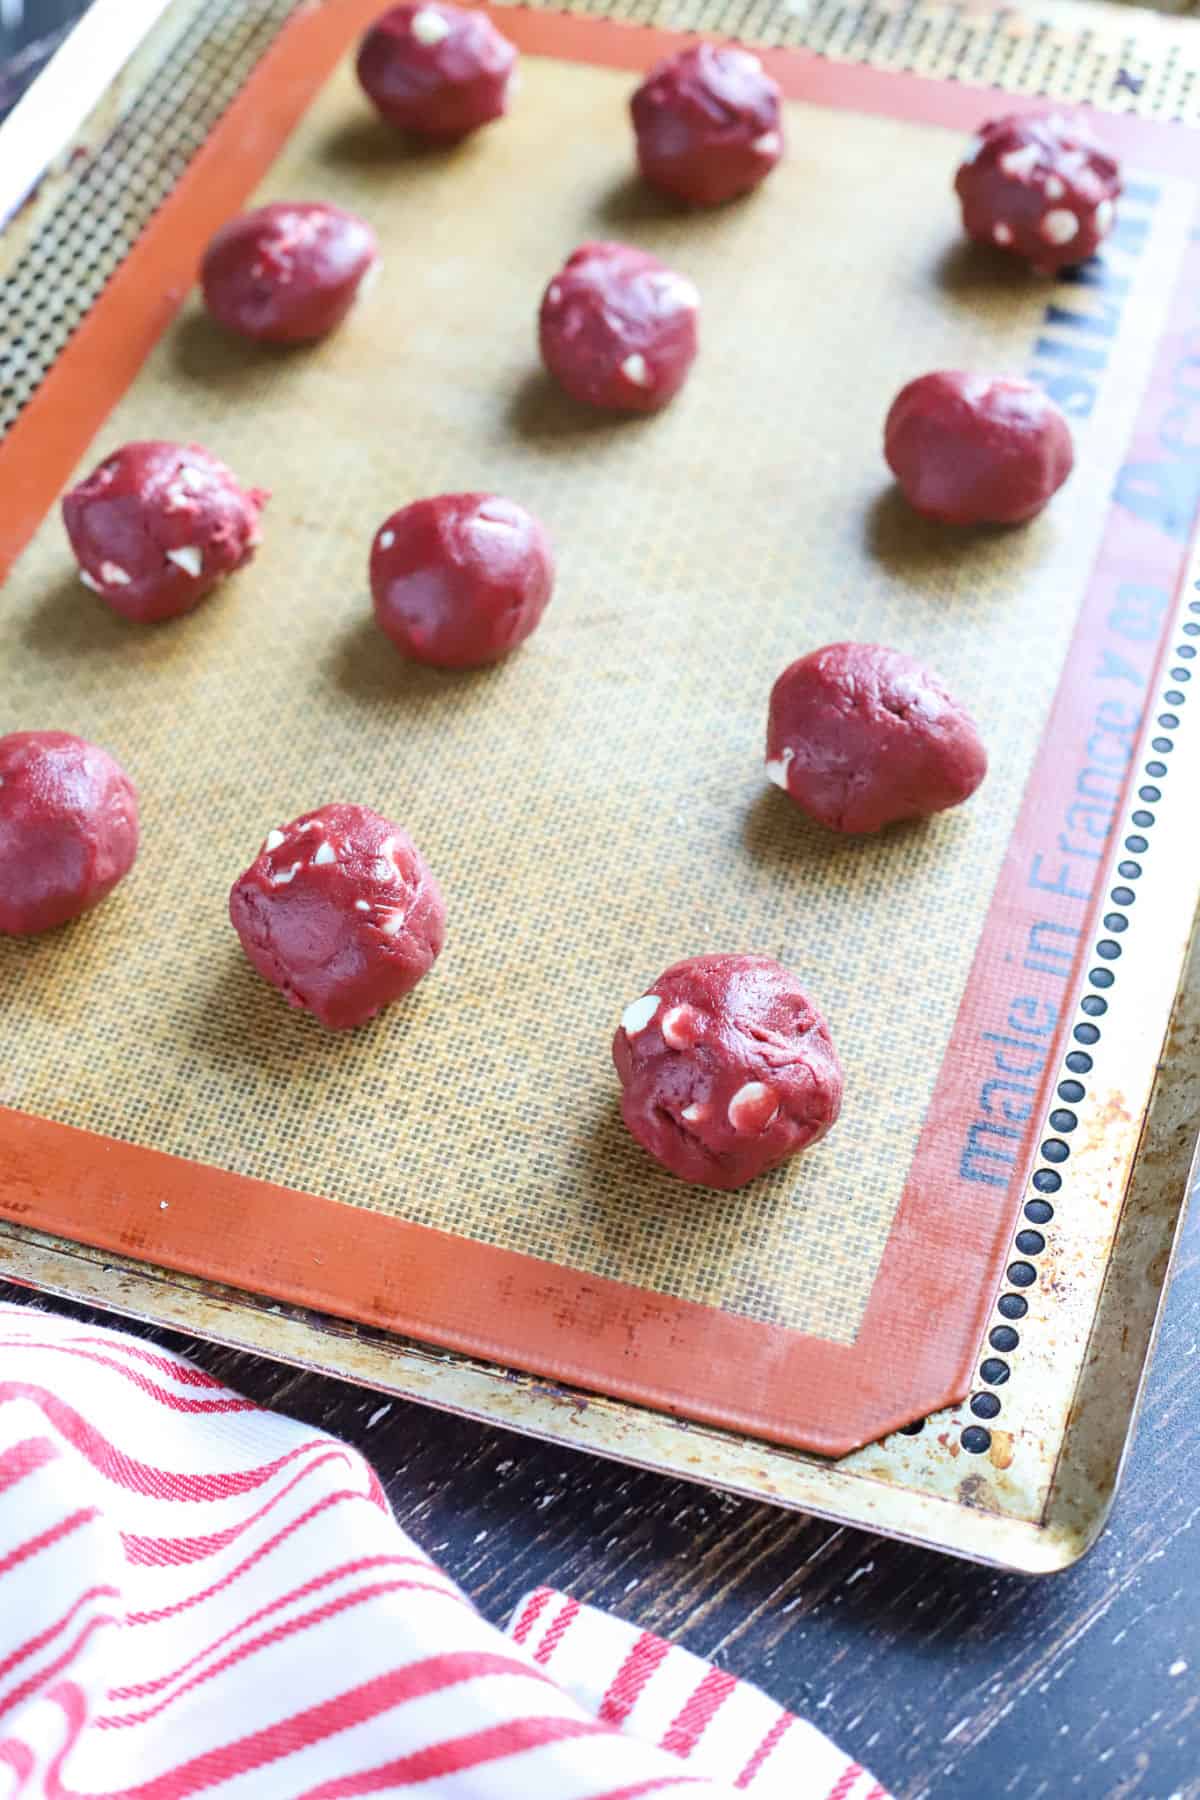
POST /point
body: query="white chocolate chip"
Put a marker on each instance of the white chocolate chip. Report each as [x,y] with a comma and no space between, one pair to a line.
[678,1027]
[638,1014]
[777,771]
[1059,226]
[308,825]
[89,581]
[362,906]
[324,854]
[429,27]
[190,559]
[748,1108]
[285,875]
[769,144]
[634,369]
[114,574]
[1021,162]
[1104,217]
[1055,189]
[694,1114]
[384,869]
[392,924]
[185,483]
[274,839]
[553,293]
[671,290]
[1002,233]
[386,539]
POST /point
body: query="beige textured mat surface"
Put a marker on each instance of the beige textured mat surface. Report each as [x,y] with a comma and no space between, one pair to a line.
[595,808]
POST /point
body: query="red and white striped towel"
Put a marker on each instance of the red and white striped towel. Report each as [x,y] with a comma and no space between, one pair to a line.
[201,1598]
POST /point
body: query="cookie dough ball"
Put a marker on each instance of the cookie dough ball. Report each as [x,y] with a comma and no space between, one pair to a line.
[861,737]
[977,449]
[618,328]
[68,829]
[708,124]
[341,913]
[437,71]
[1040,187]
[157,526]
[289,272]
[461,579]
[727,1068]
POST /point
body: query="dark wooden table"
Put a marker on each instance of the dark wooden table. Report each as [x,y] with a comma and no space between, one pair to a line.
[944,1678]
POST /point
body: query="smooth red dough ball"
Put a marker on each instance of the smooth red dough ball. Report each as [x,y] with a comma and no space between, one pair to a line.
[1041,187]
[708,124]
[156,526]
[68,828]
[289,272]
[618,328]
[727,1068]
[437,71]
[341,913]
[977,449]
[461,579]
[861,737]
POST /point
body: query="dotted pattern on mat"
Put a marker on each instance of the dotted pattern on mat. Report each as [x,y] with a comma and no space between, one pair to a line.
[118,188]
[1050,1181]
[597,803]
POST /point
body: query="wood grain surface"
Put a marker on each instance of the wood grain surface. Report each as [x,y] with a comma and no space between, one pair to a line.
[946,1679]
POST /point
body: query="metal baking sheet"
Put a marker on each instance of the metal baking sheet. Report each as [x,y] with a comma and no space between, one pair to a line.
[809,1264]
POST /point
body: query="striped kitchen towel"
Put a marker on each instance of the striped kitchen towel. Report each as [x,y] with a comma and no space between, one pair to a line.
[201,1598]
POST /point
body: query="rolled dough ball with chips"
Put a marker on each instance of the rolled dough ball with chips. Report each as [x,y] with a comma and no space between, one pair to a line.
[437,71]
[861,737]
[726,1069]
[157,526]
[289,272]
[977,449]
[708,124]
[340,912]
[1040,187]
[68,828]
[617,328]
[461,579]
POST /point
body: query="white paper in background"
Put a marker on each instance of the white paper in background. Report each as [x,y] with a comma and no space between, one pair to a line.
[55,105]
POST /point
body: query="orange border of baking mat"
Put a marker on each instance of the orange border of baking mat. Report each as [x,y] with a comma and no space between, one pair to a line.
[947,1244]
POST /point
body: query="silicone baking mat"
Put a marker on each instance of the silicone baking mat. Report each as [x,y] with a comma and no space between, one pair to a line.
[595,808]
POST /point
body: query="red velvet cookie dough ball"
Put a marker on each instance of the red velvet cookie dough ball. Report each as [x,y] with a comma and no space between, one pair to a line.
[617,328]
[861,737]
[708,124]
[287,273]
[727,1068]
[68,828]
[156,526]
[1041,187]
[461,579]
[341,913]
[438,71]
[977,449]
